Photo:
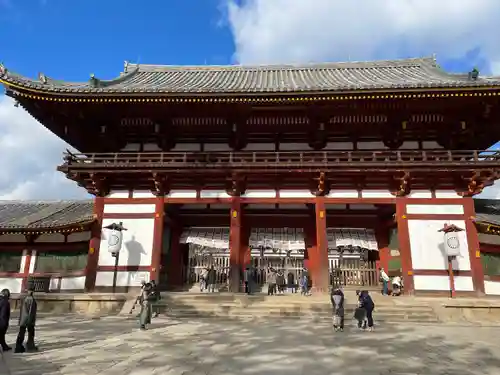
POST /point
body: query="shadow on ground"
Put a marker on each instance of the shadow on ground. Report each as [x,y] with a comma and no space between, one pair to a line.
[115,346]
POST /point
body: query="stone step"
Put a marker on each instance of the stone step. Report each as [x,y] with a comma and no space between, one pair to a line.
[323,306]
[246,315]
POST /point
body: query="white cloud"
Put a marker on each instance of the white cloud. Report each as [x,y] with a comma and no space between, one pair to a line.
[277,31]
[294,31]
[29,154]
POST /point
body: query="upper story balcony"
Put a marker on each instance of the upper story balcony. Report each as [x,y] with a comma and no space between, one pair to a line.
[284,161]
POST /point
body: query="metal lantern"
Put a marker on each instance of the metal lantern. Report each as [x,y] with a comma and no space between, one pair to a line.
[451,240]
[452,244]
[115,238]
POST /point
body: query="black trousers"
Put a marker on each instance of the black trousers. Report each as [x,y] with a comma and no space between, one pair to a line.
[3,344]
[271,289]
[31,337]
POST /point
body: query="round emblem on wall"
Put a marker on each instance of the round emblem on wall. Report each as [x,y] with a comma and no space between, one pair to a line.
[113,240]
[453,242]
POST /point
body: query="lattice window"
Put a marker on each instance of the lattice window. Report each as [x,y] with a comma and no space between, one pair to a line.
[491,264]
[61,261]
[10,261]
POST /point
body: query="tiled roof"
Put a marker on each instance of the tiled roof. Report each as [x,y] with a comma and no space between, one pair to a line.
[418,73]
[32,215]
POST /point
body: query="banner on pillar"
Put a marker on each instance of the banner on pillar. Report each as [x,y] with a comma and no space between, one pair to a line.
[351,239]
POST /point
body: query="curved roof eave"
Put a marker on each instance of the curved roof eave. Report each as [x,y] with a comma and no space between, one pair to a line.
[328,78]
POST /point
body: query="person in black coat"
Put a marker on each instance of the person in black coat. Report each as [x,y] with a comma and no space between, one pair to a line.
[4,318]
[211,279]
[337,298]
[27,321]
[366,302]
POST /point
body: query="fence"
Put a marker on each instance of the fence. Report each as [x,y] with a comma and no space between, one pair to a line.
[353,272]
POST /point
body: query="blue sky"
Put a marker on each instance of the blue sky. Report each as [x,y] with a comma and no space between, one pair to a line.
[70,39]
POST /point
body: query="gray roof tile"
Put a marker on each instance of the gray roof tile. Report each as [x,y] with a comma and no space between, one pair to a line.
[34,215]
[328,77]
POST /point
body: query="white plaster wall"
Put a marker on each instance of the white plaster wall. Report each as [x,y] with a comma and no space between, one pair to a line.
[137,244]
[347,146]
[430,145]
[463,284]
[447,194]
[295,194]
[260,147]
[13,238]
[409,145]
[294,147]
[376,194]
[51,237]
[122,278]
[259,194]
[151,147]
[435,209]
[79,237]
[13,284]
[118,194]
[33,262]
[427,249]
[420,194]
[371,146]
[492,287]
[23,261]
[214,194]
[129,208]
[73,283]
[182,194]
[343,194]
[421,282]
[217,147]
[142,194]
[186,147]
[131,147]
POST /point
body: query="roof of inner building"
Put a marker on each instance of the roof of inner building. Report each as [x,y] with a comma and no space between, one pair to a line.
[415,73]
[35,215]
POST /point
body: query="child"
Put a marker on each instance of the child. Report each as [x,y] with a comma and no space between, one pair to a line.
[337,298]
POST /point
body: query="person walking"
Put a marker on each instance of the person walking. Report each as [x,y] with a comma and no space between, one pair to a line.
[146,310]
[385,281]
[155,298]
[27,321]
[337,298]
[4,318]
[211,279]
[271,282]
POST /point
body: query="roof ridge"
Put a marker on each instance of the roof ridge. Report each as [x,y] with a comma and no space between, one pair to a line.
[291,66]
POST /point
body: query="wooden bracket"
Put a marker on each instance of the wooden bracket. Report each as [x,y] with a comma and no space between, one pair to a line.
[160,185]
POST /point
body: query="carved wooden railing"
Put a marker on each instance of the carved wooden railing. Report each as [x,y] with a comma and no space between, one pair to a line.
[284,159]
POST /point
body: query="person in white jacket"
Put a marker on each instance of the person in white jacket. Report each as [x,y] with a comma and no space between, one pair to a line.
[384,278]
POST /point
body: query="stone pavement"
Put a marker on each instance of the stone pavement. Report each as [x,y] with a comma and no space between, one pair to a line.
[114,346]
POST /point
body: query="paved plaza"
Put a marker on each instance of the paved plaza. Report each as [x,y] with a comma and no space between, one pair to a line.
[70,345]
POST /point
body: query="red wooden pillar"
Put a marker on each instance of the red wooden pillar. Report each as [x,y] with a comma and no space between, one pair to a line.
[94,245]
[320,258]
[474,250]
[404,245]
[235,244]
[157,240]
